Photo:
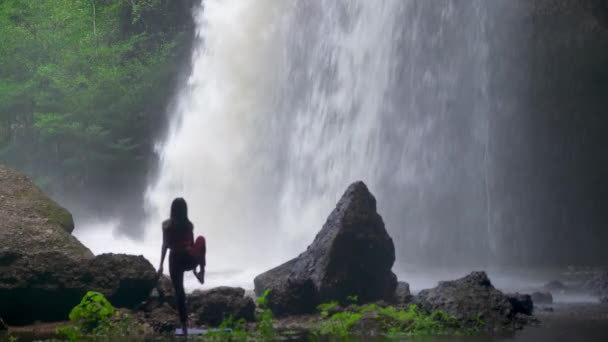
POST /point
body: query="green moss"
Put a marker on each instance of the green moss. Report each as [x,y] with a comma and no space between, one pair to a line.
[391,321]
[42,205]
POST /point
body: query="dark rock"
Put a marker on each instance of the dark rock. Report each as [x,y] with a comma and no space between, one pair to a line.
[211,307]
[542,298]
[470,298]
[548,309]
[295,296]
[32,227]
[125,280]
[522,303]
[162,293]
[403,296]
[163,319]
[165,290]
[352,255]
[45,287]
[555,286]
[598,284]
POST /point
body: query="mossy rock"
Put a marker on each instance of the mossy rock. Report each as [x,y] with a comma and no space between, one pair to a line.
[31,222]
[41,204]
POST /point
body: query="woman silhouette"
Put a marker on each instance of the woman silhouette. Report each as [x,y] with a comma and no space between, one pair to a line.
[186,254]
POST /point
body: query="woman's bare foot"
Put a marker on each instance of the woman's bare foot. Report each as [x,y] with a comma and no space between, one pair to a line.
[200,276]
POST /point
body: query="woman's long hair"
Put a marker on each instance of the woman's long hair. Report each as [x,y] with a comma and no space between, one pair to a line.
[179,214]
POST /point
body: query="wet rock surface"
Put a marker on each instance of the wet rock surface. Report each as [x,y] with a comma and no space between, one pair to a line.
[32,227]
[163,293]
[163,319]
[45,287]
[522,303]
[212,306]
[352,255]
[403,296]
[471,298]
[125,280]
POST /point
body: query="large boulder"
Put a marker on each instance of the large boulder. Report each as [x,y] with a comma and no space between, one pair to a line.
[45,287]
[211,307]
[352,255]
[44,270]
[125,280]
[469,299]
[31,223]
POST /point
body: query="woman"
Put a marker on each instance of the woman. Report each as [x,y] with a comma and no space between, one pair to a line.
[186,254]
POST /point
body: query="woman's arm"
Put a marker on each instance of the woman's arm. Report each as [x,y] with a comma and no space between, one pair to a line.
[163,251]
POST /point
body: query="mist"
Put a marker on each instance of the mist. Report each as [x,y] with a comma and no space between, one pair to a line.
[477,125]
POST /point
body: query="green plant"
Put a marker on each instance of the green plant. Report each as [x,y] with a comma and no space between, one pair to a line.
[229,330]
[263,300]
[326,308]
[95,316]
[265,327]
[339,324]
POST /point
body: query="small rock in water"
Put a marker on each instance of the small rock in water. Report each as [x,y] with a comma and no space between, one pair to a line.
[542,298]
[472,297]
[522,303]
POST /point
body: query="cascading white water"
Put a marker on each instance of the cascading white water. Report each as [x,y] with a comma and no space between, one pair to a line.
[290,101]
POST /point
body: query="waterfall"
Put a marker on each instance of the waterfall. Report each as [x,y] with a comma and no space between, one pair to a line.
[290,101]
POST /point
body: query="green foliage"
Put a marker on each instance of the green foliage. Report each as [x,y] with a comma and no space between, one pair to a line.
[93,313]
[391,321]
[78,102]
[339,324]
[263,300]
[414,321]
[228,330]
[95,316]
[326,308]
[265,327]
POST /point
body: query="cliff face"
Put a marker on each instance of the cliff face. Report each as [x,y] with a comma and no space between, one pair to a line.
[550,81]
[31,223]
